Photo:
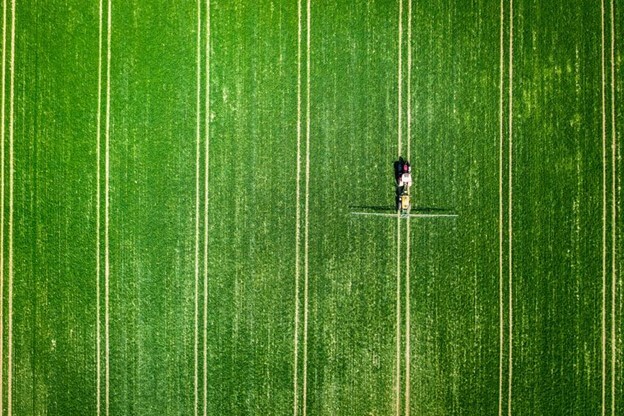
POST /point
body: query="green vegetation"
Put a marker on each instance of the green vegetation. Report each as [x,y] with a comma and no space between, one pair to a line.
[249,287]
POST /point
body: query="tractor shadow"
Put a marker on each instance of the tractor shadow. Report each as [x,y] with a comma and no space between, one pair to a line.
[398,169]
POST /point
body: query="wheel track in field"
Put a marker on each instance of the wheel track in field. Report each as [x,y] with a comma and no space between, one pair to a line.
[401,101]
[202,60]
[307,215]
[509,214]
[398,236]
[106,214]
[408,233]
[613,216]
[297,222]
[206,200]
[2,193]
[500,218]
[11,210]
[107,209]
[197,199]
[398,319]
[510,210]
[98,351]
[604,216]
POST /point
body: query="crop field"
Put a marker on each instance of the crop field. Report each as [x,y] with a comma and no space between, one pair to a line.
[197,207]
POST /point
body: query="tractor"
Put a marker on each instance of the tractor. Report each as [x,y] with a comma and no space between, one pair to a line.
[403,178]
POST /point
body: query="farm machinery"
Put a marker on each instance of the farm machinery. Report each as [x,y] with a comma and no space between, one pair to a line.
[403,178]
[403,206]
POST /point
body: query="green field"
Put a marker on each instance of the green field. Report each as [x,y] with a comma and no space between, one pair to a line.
[178,181]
